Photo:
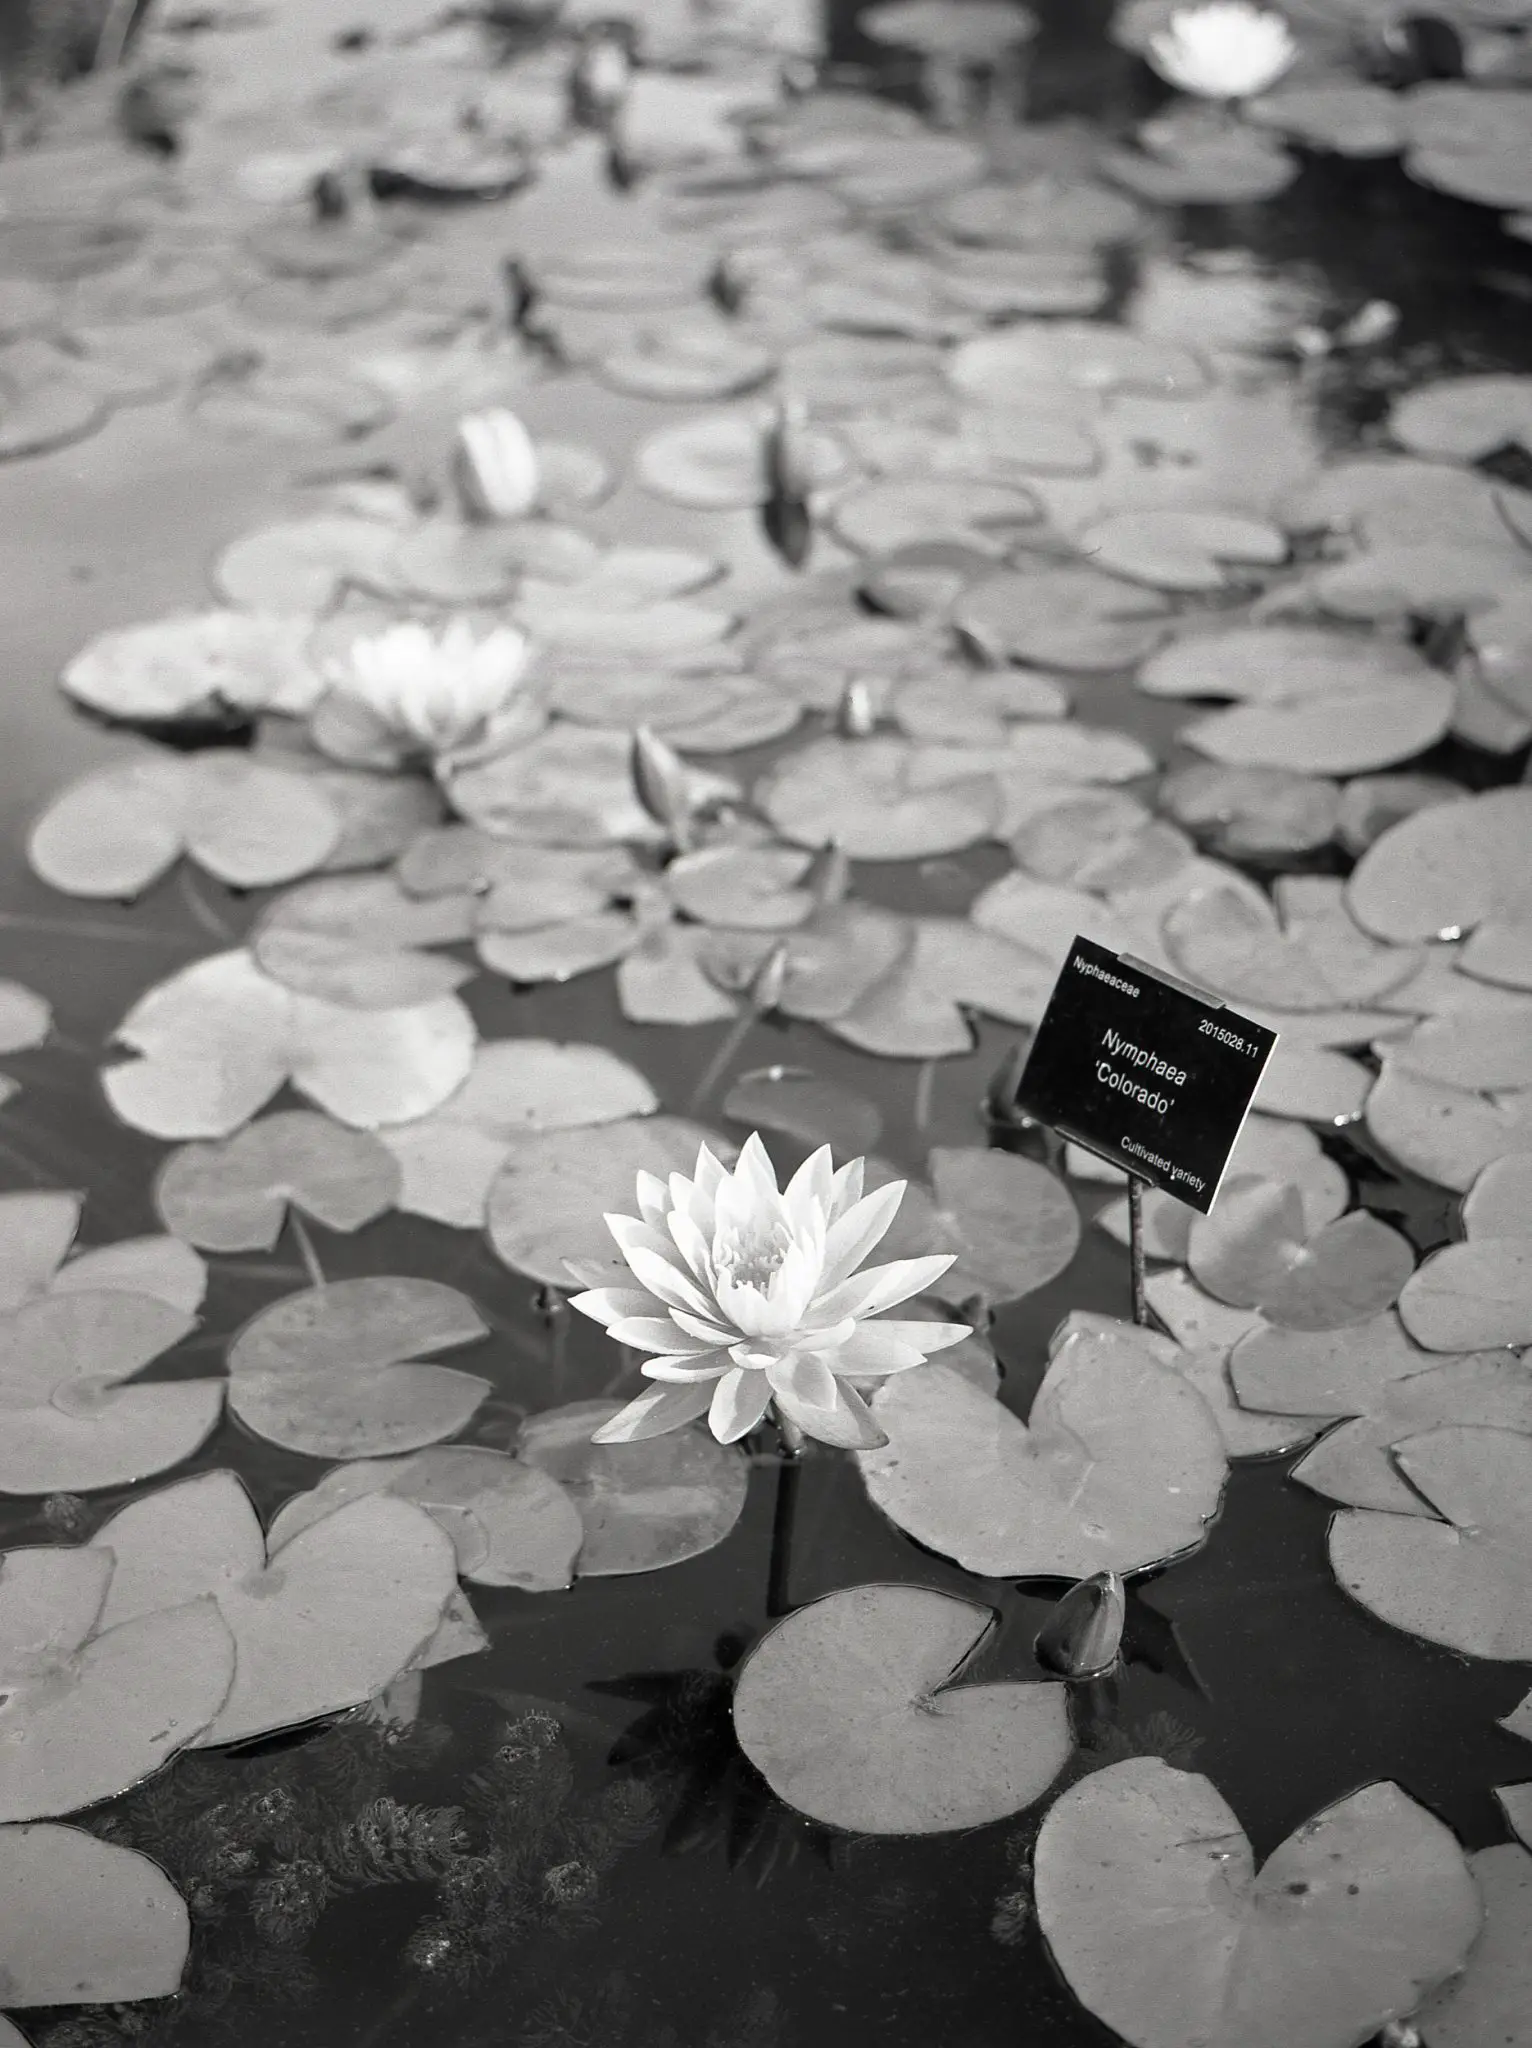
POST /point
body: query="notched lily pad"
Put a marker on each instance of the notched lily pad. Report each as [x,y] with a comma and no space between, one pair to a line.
[234,1196]
[1257,1252]
[854,1712]
[333,1371]
[86,1921]
[644,1505]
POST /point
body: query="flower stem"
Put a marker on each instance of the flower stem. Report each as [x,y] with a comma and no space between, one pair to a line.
[733,1039]
[788,1470]
[306,1251]
[1136,1249]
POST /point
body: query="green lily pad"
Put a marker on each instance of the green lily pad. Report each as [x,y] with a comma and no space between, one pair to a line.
[215,1042]
[1121,1465]
[1258,1252]
[804,1105]
[334,1371]
[895,511]
[195,665]
[1463,418]
[322,1624]
[1487,2005]
[1070,618]
[1455,868]
[860,794]
[25,1018]
[854,1712]
[1305,952]
[114,832]
[510,1524]
[1180,549]
[359,941]
[234,1196]
[1446,1134]
[1387,1387]
[1153,1910]
[1007,368]
[644,1505]
[1252,812]
[82,1920]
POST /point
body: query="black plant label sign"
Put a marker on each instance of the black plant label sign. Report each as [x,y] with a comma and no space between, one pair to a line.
[1144,1071]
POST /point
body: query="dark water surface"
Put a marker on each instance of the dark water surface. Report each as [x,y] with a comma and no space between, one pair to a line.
[730,1920]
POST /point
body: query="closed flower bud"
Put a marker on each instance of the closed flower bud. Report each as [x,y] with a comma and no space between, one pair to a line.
[1082,1638]
[828,875]
[663,787]
[856,715]
[1225,50]
[769,980]
[496,465]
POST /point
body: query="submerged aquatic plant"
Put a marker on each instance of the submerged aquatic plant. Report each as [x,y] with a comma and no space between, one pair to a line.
[1225,50]
[750,1295]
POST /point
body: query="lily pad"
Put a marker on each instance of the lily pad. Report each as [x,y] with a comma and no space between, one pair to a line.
[1463,1580]
[555,1187]
[234,1196]
[718,463]
[1313,1083]
[806,1106]
[1443,1133]
[1257,1252]
[1387,1387]
[72,1426]
[114,832]
[86,1921]
[1089,356]
[1183,549]
[571,786]
[895,511]
[1455,868]
[1464,418]
[1266,1148]
[854,1712]
[1252,812]
[1120,1467]
[1012,1224]
[918,1008]
[686,361]
[644,1505]
[449,1160]
[89,1713]
[861,794]
[333,1371]
[1487,2006]
[510,1524]
[1304,953]
[320,1625]
[1478,1294]
[1152,1908]
[303,565]
[1069,618]
[25,1018]
[359,941]
[36,1232]
[195,665]
[216,1041]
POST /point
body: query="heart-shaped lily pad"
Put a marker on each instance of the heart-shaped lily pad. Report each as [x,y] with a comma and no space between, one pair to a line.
[718,463]
[1007,368]
[196,664]
[1266,1148]
[1184,549]
[234,1196]
[86,1714]
[510,1524]
[1240,812]
[1151,1905]
[1464,418]
[555,1187]
[321,1625]
[1465,1580]
[1443,1133]
[114,832]
[216,1041]
[333,1371]
[1120,1467]
[1012,1224]
[448,1161]
[862,794]
[1454,868]
[1304,953]
[25,1018]
[644,1505]
[1258,1252]
[1478,1294]
[917,1010]
[36,1231]
[86,1921]
[854,1712]
[895,511]
[1487,2005]
[359,940]
[71,1425]
[1387,1387]
[1070,618]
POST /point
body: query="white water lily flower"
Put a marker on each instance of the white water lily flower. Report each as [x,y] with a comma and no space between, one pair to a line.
[498,469]
[750,1295]
[434,690]
[1226,50]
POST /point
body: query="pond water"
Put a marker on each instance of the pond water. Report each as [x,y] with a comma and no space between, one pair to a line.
[663,1893]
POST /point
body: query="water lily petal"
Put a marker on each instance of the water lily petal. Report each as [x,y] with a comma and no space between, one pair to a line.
[881,1287]
[804,1379]
[874,1350]
[654,1412]
[739,1401]
[848,1425]
[707,1365]
[610,1304]
[659,1334]
[846,1188]
[673,1287]
[711,1329]
[854,1234]
[811,1190]
[917,1337]
[694,1244]
[754,1168]
[653,1199]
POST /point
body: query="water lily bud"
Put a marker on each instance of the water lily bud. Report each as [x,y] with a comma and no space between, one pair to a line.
[768,981]
[856,715]
[1223,50]
[1372,324]
[1082,1638]
[725,286]
[789,470]
[520,294]
[828,875]
[663,786]
[496,465]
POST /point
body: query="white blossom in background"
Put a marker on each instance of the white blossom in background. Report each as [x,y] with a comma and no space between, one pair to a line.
[1226,50]
[751,1297]
[497,464]
[435,691]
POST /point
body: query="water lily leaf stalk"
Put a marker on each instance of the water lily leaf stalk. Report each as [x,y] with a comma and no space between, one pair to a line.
[762,996]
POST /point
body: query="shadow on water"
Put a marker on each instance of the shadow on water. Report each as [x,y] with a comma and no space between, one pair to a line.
[666,1899]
